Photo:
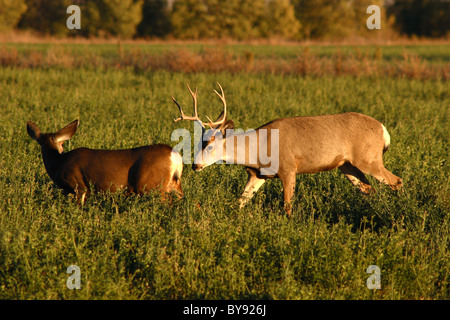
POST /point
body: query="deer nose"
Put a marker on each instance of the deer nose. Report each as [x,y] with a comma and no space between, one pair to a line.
[197,167]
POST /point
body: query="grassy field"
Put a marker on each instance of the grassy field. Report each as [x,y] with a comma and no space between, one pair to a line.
[203,247]
[399,61]
[435,53]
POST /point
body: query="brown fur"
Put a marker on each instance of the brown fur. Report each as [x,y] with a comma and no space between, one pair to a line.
[138,169]
[352,142]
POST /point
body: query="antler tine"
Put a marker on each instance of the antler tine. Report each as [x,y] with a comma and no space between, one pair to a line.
[222,97]
[181,111]
[194,98]
[195,117]
[183,116]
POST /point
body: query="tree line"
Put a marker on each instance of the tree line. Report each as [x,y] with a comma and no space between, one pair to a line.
[233,19]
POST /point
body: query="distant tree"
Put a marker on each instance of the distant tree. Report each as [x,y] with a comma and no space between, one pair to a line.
[315,16]
[323,19]
[112,17]
[155,19]
[10,13]
[427,18]
[46,16]
[358,24]
[280,20]
[188,19]
[237,19]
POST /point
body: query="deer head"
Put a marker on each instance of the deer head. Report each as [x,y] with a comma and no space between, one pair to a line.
[212,145]
[52,141]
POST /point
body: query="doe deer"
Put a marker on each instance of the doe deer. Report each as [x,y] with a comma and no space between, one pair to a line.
[139,169]
[353,142]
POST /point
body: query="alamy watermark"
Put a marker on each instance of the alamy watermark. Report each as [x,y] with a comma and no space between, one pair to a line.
[74,280]
[74,21]
[374,281]
[252,147]
[374,21]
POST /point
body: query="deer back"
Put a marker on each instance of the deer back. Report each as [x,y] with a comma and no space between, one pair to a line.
[138,169]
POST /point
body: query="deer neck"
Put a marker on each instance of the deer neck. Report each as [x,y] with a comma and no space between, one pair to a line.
[241,148]
[257,149]
[52,159]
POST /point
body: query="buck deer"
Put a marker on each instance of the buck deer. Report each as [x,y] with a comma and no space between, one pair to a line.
[138,169]
[353,142]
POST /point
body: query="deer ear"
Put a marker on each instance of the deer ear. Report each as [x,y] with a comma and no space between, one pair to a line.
[33,131]
[227,125]
[67,132]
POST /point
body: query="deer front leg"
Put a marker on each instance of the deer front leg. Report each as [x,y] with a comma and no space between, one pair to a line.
[253,184]
[288,190]
[81,193]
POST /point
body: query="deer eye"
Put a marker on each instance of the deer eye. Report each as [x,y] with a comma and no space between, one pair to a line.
[209,148]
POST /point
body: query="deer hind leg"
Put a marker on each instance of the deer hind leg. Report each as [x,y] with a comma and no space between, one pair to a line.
[356,177]
[174,185]
[176,170]
[253,184]
[387,177]
[172,178]
[377,170]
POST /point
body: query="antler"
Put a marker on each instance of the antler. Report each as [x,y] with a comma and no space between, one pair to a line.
[195,117]
[224,117]
[183,116]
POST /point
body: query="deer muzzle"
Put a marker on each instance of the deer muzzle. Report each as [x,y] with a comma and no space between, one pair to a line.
[197,167]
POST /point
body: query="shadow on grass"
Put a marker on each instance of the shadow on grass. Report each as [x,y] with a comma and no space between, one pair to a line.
[327,196]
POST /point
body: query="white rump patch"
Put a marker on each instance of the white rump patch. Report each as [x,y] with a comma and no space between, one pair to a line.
[176,164]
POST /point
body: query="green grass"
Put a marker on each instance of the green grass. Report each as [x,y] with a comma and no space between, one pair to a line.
[203,247]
